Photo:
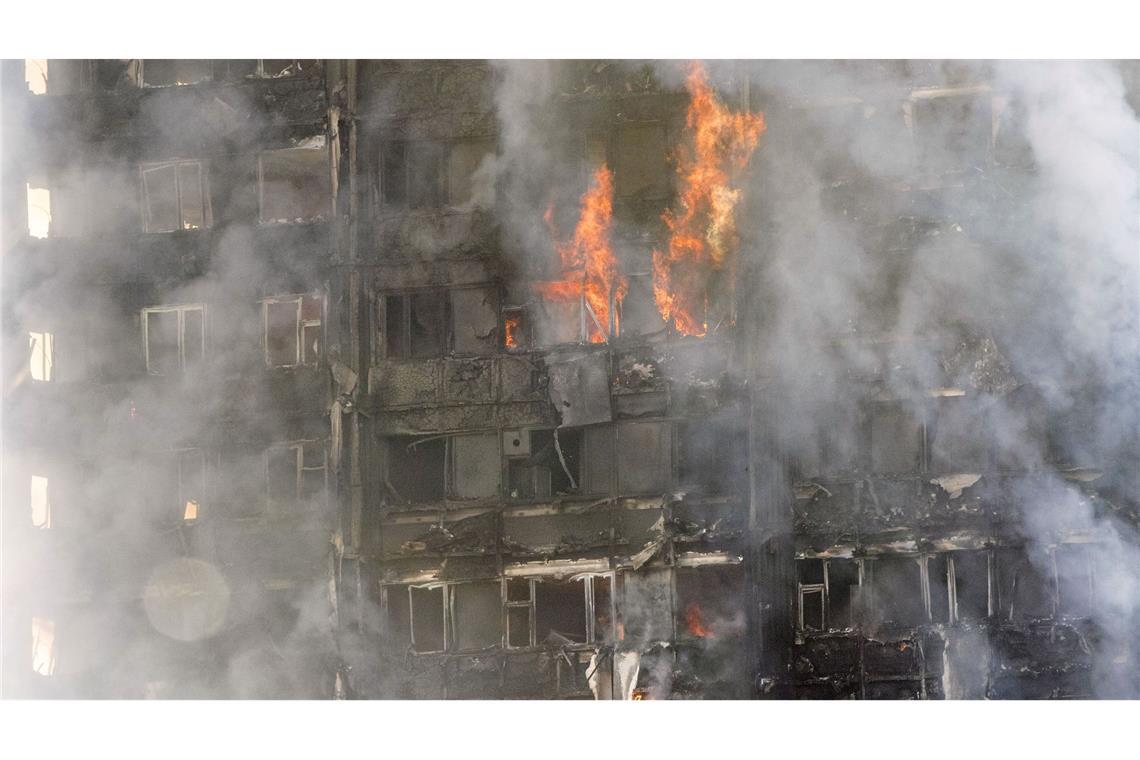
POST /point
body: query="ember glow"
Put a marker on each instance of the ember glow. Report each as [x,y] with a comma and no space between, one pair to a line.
[589,269]
[702,230]
[510,331]
[695,622]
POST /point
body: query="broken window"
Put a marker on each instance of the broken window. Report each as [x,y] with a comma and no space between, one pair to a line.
[39,211]
[898,590]
[520,612]
[560,611]
[896,440]
[952,132]
[644,457]
[1074,580]
[43,646]
[396,603]
[42,345]
[295,474]
[713,456]
[412,174]
[1025,584]
[474,320]
[597,459]
[292,330]
[412,325]
[710,601]
[165,73]
[938,586]
[470,174]
[429,627]
[516,329]
[842,581]
[275,69]
[295,183]
[603,601]
[174,338]
[477,616]
[537,468]
[475,466]
[812,606]
[957,439]
[971,573]
[41,504]
[189,483]
[176,196]
[415,469]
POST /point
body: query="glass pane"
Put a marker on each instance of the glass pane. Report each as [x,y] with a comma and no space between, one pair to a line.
[518,626]
[394,327]
[162,342]
[281,333]
[193,333]
[477,615]
[811,605]
[427,325]
[311,308]
[41,507]
[161,198]
[190,185]
[427,619]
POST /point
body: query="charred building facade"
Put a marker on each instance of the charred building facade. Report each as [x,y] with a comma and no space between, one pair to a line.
[610,380]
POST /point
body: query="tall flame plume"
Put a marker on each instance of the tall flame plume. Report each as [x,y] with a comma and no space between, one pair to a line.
[702,229]
[589,267]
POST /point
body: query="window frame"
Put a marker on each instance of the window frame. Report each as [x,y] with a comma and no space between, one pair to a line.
[298,446]
[380,314]
[181,311]
[47,356]
[141,74]
[300,358]
[327,211]
[203,189]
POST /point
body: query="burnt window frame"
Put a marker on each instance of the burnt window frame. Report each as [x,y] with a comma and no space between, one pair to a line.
[575,470]
[180,310]
[326,187]
[203,188]
[293,505]
[589,595]
[381,341]
[302,359]
[439,197]
[824,588]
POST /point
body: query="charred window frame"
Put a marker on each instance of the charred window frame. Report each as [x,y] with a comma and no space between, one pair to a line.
[970,584]
[170,73]
[542,463]
[294,183]
[413,174]
[829,594]
[476,615]
[428,604]
[40,498]
[281,68]
[176,196]
[1026,581]
[291,330]
[296,474]
[811,604]
[41,362]
[174,338]
[535,608]
[412,324]
[415,468]
[899,589]
[709,601]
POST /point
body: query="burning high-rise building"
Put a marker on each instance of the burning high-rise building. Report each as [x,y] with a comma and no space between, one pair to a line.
[611,380]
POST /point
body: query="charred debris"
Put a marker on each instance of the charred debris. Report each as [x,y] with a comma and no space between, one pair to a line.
[312,401]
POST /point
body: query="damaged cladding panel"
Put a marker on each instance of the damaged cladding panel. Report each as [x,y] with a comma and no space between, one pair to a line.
[390,409]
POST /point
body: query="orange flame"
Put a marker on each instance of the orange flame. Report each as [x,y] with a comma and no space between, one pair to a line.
[640,695]
[589,267]
[695,622]
[511,329]
[702,229]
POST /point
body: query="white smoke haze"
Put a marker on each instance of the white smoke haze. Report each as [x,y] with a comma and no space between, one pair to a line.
[1043,265]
